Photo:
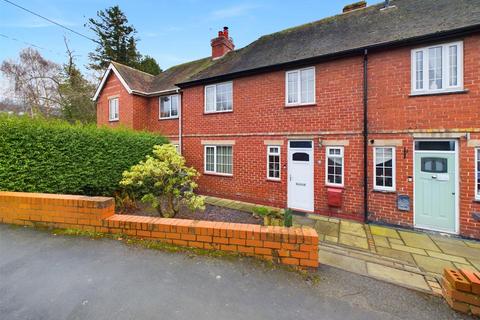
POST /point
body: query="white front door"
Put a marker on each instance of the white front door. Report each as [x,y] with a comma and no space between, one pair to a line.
[300,175]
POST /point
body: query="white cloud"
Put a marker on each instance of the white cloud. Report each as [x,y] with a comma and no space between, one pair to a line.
[233,11]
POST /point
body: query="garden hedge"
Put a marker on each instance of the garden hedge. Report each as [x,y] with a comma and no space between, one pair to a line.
[52,156]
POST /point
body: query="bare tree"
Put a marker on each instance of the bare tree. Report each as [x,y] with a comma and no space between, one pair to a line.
[36,81]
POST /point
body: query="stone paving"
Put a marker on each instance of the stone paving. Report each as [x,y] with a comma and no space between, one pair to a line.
[404,257]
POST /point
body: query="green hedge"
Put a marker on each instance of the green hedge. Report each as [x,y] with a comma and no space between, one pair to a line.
[52,156]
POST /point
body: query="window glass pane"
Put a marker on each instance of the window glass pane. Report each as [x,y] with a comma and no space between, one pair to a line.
[224,97]
[165,103]
[334,166]
[300,144]
[419,70]
[300,156]
[434,165]
[307,85]
[210,98]
[274,163]
[224,159]
[478,172]
[113,109]
[435,145]
[435,68]
[210,159]
[174,106]
[292,87]
[384,167]
[453,65]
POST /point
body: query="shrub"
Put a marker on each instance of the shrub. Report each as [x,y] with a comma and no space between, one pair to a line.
[271,216]
[52,156]
[164,181]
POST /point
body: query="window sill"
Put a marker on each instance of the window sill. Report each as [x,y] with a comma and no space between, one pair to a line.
[218,174]
[170,118]
[438,93]
[301,105]
[114,120]
[273,180]
[217,112]
[334,186]
[384,191]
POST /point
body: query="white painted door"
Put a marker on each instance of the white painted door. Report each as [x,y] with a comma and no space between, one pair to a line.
[300,175]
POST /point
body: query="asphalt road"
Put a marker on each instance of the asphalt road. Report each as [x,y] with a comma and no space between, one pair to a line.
[43,276]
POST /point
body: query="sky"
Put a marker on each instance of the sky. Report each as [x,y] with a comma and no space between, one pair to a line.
[172,32]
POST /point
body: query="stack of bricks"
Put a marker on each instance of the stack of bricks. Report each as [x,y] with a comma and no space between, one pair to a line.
[461,290]
[296,247]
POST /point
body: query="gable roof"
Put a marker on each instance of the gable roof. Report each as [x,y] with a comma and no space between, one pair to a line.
[371,27]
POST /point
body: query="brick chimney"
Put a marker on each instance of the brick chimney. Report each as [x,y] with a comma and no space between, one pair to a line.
[354,6]
[222,44]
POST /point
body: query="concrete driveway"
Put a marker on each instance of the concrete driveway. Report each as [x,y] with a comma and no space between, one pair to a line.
[43,276]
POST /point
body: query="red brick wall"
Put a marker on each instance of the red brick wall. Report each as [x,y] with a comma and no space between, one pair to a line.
[136,112]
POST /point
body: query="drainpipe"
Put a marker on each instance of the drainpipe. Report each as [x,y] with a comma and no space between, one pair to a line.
[365,135]
[180,121]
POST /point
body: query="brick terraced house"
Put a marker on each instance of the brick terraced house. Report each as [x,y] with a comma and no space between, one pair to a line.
[372,114]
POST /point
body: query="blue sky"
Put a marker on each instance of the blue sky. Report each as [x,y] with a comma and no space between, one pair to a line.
[171,31]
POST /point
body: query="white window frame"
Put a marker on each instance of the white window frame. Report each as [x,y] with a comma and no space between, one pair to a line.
[214,86]
[299,87]
[394,169]
[477,159]
[445,69]
[111,115]
[160,107]
[214,172]
[279,154]
[327,155]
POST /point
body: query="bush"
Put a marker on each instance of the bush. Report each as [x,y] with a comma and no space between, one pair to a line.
[164,181]
[52,156]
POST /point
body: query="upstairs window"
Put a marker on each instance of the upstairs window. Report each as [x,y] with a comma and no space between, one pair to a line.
[384,170]
[113,114]
[169,106]
[300,87]
[437,68]
[273,162]
[219,97]
[334,166]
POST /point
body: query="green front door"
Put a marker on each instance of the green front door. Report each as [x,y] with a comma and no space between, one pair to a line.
[435,180]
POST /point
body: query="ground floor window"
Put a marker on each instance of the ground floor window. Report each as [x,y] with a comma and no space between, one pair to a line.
[384,170]
[219,159]
[477,173]
[334,166]
[273,162]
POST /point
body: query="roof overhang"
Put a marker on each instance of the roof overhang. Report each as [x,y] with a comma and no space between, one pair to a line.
[111,68]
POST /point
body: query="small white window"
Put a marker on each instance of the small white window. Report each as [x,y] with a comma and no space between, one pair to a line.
[477,173]
[219,97]
[334,171]
[300,87]
[169,106]
[219,159]
[113,114]
[437,68]
[384,168]
[273,162]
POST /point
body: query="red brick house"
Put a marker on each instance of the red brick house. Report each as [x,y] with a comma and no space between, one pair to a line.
[385,96]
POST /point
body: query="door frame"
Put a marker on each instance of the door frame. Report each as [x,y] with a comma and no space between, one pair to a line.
[312,150]
[457,182]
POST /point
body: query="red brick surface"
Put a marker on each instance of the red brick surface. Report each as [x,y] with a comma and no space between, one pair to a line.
[458,290]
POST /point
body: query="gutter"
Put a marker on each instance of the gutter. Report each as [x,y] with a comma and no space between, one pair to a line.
[331,56]
[365,135]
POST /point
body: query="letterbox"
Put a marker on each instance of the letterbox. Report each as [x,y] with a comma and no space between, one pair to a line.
[334,197]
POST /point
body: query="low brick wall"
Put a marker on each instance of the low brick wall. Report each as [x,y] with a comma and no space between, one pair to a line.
[61,211]
[461,290]
[290,246]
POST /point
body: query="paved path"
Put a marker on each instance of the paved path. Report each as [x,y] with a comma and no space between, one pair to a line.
[408,258]
[51,277]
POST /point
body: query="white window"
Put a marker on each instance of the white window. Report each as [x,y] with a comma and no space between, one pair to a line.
[300,87]
[384,168]
[113,114]
[169,106]
[334,166]
[273,162]
[219,97]
[477,173]
[219,159]
[437,68]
